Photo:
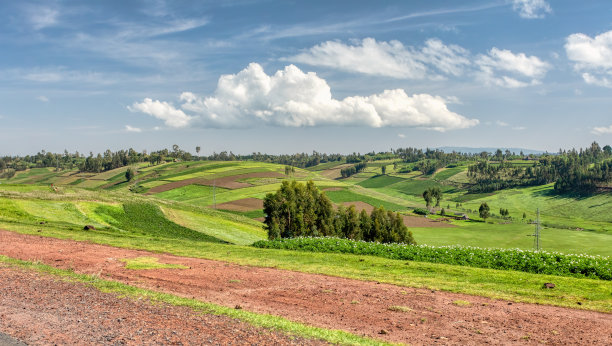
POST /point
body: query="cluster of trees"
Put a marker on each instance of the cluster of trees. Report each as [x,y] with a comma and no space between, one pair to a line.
[432,193]
[98,163]
[301,210]
[572,171]
[354,169]
[301,160]
[504,212]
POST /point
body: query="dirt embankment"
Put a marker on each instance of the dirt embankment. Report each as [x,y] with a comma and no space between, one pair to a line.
[392,313]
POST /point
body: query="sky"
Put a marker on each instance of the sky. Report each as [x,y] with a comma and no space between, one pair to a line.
[296,76]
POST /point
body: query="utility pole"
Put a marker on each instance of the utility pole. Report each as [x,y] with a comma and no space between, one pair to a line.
[536,235]
[536,240]
[214,196]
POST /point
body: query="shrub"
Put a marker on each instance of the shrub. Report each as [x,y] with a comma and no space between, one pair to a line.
[420,211]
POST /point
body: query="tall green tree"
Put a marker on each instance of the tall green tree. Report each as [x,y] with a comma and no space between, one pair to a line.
[484,210]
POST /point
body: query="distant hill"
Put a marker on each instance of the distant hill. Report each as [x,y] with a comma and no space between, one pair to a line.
[490,150]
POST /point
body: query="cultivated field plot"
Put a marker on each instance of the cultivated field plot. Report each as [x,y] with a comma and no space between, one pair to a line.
[228,182]
[245,204]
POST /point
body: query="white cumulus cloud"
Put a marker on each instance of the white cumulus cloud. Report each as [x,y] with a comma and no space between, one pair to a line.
[592,56]
[162,110]
[291,97]
[503,68]
[531,9]
[389,59]
[129,128]
[602,130]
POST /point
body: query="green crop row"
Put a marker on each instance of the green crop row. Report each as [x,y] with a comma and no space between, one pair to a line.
[538,262]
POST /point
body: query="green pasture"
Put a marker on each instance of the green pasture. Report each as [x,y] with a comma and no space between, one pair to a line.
[220,228]
[380,181]
[515,236]
[447,173]
[416,187]
[558,211]
[350,196]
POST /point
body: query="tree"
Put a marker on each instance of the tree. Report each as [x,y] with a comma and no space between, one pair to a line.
[427,197]
[198,150]
[484,211]
[129,174]
[383,170]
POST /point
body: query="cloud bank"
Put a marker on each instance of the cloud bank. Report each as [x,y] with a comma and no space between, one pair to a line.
[435,60]
[389,59]
[592,56]
[293,98]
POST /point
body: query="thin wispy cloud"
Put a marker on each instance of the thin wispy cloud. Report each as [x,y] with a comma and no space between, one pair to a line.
[444,11]
[56,75]
[293,98]
[41,17]
[129,128]
[43,98]
[602,130]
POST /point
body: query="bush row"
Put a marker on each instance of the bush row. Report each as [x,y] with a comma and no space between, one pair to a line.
[539,262]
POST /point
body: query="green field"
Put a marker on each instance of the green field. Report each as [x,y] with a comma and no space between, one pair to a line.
[380,181]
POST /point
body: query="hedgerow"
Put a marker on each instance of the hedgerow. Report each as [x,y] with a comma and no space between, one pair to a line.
[539,262]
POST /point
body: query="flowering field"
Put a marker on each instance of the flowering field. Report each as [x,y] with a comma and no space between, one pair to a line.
[539,262]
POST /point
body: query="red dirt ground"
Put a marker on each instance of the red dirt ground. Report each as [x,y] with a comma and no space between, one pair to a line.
[230,182]
[245,204]
[364,308]
[40,309]
[409,220]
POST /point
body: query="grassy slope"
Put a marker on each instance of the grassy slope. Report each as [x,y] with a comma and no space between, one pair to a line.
[515,236]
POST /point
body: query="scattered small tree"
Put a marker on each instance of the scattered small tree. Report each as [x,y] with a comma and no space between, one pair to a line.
[524,215]
[484,210]
[129,174]
[504,212]
[383,170]
[442,212]
[427,197]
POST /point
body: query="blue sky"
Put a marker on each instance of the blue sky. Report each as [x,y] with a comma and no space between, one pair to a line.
[297,76]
